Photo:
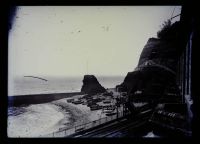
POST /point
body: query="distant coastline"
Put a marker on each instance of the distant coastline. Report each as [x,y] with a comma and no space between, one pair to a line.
[27,91]
[20,86]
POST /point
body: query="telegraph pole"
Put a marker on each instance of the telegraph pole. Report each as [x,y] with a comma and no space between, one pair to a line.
[87,66]
[117,106]
[118,101]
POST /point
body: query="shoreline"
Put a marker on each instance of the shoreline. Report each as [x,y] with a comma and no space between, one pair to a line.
[20,100]
[77,113]
[72,115]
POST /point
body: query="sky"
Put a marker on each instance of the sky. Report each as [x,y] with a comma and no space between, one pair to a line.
[78,40]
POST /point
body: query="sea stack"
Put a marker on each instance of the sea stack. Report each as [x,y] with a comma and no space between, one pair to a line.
[91,85]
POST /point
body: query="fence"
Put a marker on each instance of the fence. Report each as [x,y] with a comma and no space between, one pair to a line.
[78,128]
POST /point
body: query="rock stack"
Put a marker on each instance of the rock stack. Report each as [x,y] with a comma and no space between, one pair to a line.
[91,85]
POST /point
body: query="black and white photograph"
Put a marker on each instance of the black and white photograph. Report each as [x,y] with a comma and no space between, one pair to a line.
[100,72]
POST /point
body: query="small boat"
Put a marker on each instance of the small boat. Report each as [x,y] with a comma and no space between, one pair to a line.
[108,110]
[95,107]
[110,114]
[70,100]
[96,100]
[106,101]
[77,102]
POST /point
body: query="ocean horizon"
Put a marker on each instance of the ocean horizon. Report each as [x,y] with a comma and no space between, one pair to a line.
[26,85]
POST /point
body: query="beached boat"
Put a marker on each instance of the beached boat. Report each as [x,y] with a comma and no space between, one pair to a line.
[70,100]
[109,110]
[110,114]
[102,98]
[89,104]
[95,107]
[96,100]
[106,101]
[77,102]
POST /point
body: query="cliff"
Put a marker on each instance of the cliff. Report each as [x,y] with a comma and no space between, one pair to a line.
[91,85]
[155,74]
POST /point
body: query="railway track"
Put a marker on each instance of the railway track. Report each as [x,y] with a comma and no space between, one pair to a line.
[117,128]
[99,129]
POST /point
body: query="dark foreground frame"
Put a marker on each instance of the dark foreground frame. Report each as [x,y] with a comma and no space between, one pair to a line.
[10,11]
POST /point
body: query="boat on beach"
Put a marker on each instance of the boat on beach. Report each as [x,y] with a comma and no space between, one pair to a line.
[77,102]
[110,114]
[106,101]
[109,111]
[70,100]
[95,107]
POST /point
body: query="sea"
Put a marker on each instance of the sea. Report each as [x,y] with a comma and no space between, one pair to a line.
[42,119]
[28,85]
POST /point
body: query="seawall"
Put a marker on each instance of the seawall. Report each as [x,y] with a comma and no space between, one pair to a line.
[38,98]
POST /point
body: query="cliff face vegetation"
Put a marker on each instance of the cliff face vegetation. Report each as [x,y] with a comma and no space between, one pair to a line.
[91,85]
[155,74]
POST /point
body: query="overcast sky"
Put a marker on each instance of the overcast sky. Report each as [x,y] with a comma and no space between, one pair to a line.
[60,41]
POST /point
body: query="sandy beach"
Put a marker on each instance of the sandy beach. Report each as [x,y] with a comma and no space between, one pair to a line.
[43,119]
